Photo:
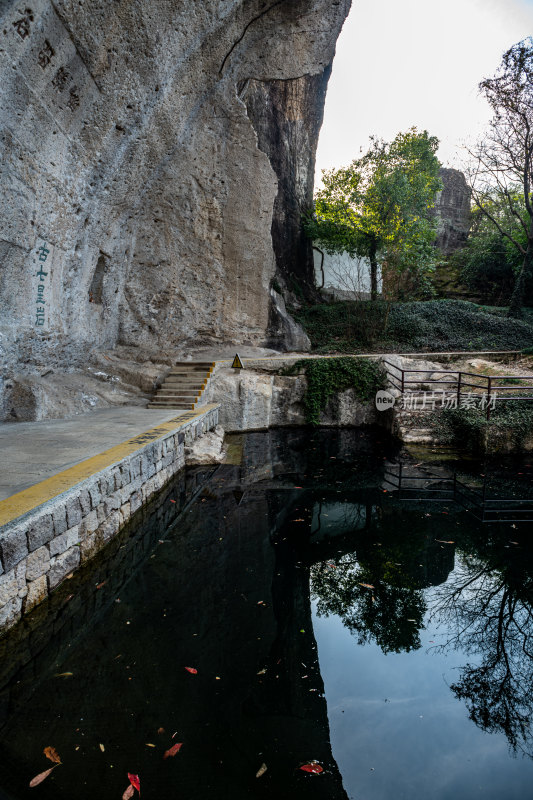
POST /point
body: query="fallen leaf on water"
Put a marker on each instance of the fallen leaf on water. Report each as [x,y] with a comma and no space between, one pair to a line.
[52,754]
[149,744]
[444,541]
[64,674]
[101,584]
[313,767]
[102,748]
[192,670]
[135,781]
[160,730]
[173,750]
[261,771]
[41,776]
[130,791]
[298,520]
[261,672]
[366,585]
[172,501]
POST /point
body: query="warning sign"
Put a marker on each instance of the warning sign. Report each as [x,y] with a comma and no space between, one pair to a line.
[237,363]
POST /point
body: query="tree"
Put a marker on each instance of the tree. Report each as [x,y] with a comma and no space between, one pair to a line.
[504,158]
[379,206]
[489,262]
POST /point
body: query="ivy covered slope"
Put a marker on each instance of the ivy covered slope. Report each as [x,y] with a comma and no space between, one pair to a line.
[329,376]
[509,428]
[429,326]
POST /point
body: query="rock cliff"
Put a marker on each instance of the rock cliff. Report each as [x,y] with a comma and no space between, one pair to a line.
[452,207]
[155,155]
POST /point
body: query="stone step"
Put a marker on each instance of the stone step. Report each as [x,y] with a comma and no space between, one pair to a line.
[187,397]
[186,370]
[178,387]
[184,383]
[183,386]
[170,404]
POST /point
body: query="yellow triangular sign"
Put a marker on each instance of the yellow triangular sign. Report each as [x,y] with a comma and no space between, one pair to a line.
[237,363]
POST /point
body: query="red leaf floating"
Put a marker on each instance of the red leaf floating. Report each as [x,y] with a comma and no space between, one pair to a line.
[130,791]
[314,768]
[135,781]
[192,670]
[173,750]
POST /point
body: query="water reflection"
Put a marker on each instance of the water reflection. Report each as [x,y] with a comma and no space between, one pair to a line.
[487,607]
[482,596]
[224,585]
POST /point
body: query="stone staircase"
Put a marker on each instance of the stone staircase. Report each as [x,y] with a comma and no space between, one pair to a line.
[412,423]
[183,386]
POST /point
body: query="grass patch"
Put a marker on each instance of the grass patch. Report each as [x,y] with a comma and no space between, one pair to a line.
[328,376]
[426,326]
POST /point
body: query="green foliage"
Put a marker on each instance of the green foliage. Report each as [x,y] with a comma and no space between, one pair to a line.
[489,262]
[470,428]
[379,205]
[505,160]
[328,376]
[431,326]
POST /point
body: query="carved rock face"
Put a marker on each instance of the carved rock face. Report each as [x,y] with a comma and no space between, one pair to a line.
[160,152]
[452,207]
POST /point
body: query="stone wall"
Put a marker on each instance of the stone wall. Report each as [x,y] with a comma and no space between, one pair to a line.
[39,550]
[149,154]
[258,397]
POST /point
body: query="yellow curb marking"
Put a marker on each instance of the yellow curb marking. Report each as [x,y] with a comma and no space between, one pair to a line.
[22,502]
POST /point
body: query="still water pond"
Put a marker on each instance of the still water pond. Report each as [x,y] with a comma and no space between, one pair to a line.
[283,610]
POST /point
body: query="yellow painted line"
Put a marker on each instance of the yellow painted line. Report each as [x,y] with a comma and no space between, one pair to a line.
[18,504]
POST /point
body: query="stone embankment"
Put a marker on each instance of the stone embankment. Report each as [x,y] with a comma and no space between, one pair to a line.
[51,529]
[259,397]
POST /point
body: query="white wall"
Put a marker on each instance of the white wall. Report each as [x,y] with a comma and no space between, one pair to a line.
[345,277]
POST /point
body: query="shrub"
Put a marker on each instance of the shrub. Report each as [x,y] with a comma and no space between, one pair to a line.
[423,326]
[470,428]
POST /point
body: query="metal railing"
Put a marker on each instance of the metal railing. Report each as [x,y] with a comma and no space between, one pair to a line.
[487,387]
[432,487]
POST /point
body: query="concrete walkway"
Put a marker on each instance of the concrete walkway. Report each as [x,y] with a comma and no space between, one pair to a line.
[33,451]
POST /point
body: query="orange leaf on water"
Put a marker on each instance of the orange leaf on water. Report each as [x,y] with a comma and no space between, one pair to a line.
[41,776]
[366,585]
[160,730]
[313,767]
[130,791]
[52,754]
[192,670]
[135,781]
[173,750]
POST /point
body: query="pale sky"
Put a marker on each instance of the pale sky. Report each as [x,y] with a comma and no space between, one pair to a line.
[401,63]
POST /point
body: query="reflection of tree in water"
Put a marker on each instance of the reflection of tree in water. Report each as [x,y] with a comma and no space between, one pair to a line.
[487,607]
[390,608]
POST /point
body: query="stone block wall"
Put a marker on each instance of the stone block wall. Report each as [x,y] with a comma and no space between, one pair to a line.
[39,550]
[32,648]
